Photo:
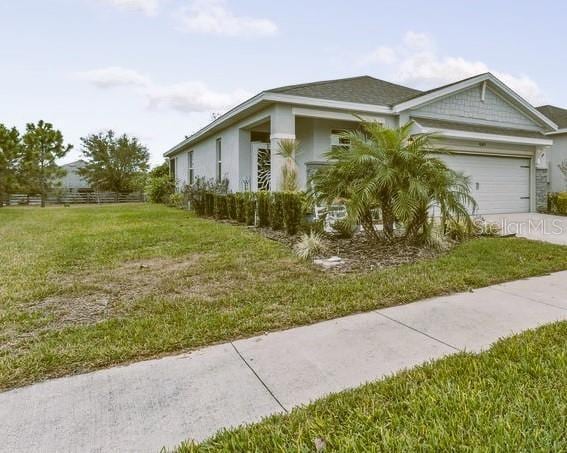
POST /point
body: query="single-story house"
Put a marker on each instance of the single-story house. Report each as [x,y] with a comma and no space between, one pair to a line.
[558,154]
[496,137]
[72,181]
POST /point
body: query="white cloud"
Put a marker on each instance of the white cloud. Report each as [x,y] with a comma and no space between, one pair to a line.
[114,76]
[419,64]
[382,55]
[213,17]
[191,96]
[148,7]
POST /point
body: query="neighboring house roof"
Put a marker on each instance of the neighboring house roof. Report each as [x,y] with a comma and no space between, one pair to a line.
[362,93]
[76,164]
[557,115]
[363,89]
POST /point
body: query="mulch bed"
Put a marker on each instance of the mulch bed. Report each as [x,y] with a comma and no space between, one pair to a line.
[360,254]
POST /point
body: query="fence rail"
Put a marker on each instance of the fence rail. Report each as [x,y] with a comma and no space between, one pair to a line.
[73,198]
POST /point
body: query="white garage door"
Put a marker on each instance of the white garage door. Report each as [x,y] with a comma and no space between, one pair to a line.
[498,184]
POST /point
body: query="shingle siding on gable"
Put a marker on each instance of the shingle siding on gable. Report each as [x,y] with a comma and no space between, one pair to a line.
[468,104]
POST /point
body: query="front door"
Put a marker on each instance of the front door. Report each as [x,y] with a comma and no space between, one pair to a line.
[261,166]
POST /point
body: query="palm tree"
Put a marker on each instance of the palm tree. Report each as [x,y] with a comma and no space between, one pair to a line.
[288,150]
[396,174]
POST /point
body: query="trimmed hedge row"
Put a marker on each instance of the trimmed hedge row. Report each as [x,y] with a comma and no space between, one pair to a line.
[276,210]
[557,203]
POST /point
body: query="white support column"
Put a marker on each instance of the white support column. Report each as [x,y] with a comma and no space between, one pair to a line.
[282,126]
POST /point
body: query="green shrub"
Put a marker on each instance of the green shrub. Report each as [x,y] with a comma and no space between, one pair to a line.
[159,189]
[250,208]
[343,228]
[209,204]
[263,202]
[557,203]
[221,211]
[240,199]
[231,206]
[176,200]
[276,211]
[459,230]
[293,211]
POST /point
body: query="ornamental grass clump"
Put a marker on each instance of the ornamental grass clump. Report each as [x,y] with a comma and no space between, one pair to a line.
[309,245]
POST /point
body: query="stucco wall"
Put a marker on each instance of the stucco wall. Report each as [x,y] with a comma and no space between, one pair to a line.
[468,104]
[557,154]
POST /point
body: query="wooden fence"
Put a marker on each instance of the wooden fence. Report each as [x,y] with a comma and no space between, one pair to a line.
[73,198]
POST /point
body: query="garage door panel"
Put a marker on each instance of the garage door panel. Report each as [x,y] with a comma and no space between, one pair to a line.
[498,184]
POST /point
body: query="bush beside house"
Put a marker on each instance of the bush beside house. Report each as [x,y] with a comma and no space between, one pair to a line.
[278,210]
[557,203]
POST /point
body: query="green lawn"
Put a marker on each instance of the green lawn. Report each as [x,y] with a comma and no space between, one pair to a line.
[87,287]
[510,398]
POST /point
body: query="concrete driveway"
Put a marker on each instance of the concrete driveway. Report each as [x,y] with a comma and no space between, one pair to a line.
[539,227]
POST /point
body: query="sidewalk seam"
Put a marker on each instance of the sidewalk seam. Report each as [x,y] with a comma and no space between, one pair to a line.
[259,378]
[418,331]
[530,299]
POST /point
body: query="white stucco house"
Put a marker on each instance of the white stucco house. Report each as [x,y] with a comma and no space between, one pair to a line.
[496,137]
[558,152]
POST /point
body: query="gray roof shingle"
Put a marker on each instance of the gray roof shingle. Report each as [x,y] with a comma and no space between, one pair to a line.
[555,114]
[363,89]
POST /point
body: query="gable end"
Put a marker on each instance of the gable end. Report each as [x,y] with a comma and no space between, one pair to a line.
[468,105]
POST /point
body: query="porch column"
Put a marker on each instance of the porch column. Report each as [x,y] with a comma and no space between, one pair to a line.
[244,162]
[541,178]
[282,126]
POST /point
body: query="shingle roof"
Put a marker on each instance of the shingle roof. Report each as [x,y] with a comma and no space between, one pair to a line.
[555,114]
[438,124]
[363,89]
[433,90]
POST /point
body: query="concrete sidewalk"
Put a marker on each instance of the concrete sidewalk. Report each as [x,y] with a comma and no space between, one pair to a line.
[147,405]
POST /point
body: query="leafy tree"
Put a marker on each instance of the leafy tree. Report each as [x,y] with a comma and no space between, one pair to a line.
[42,145]
[115,163]
[160,170]
[9,152]
[396,174]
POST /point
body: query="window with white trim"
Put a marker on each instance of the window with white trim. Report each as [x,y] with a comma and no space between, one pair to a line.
[190,169]
[338,138]
[219,160]
[172,165]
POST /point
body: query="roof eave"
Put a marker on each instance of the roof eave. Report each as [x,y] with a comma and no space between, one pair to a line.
[269,97]
[216,123]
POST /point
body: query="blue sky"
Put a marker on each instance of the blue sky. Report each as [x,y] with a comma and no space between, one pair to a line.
[158,69]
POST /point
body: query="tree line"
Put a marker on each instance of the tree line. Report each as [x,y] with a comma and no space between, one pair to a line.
[28,161]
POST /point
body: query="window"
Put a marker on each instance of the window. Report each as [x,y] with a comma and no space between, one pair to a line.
[338,139]
[219,160]
[190,169]
[172,162]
